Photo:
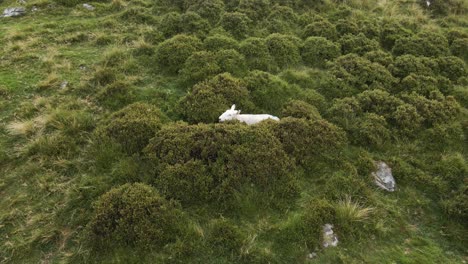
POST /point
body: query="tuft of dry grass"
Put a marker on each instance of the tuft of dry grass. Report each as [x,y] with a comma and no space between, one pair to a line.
[353,211]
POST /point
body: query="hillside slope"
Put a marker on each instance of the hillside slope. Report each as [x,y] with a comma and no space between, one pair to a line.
[111,150]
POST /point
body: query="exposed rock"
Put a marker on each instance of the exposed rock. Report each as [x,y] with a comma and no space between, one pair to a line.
[34,9]
[14,12]
[329,238]
[312,255]
[89,7]
[383,177]
[64,85]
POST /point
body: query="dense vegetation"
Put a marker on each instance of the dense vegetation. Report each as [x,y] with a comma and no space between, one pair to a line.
[111,150]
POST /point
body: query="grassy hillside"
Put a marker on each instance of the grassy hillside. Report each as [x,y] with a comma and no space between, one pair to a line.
[111,150]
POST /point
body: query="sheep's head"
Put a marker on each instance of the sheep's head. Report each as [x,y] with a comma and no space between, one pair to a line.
[230,114]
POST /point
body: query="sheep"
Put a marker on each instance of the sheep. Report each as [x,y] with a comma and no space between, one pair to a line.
[232,114]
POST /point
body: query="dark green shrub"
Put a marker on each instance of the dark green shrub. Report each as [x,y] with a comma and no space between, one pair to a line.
[269,92]
[425,85]
[135,215]
[321,28]
[133,126]
[379,102]
[193,23]
[370,130]
[361,73]
[379,56]
[172,53]
[206,101]
[370,27]
[459,48]
[344,112]
[318,50]
[256,54]
[200,66]
[116,95]
[235,155]
[392,30]
[236,23]
[434,111]
[170,24]
[407,119]
[103,76]
[209,9]
[227,237]
[284,50]
[138,15]
[407,64]
[220,42]
[429,44]
[231,61]
[255,9]
[452,67]
[300,109]
[346,26]
[190,182]
[304,139]
[283,13]
[358,44]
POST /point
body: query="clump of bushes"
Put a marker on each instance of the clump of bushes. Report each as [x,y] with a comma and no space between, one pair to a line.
[318,50]
[358,44]
[193,23]
[133,126]
[256,53]
[135,215]
[284,50]
[218,160]
[268,92]
[425,43]
[300,109]
[172,53]
[199,66]
[226,237]
[116,95]
[236,23]
[207,100]
[211,10]
[220,42]
[407,64]
[321,28]
[361,73]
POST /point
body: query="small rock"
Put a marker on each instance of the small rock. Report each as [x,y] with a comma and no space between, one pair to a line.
[83,67]
[63,85]
[34,9]
[312,255]
[383,177]
[14,12]
[329,238]
[89,7]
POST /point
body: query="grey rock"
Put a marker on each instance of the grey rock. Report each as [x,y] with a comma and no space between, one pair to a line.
[14,12]
[89,7]
[329,238]
[383,177]
[64,85]
[312,255]
[34,9]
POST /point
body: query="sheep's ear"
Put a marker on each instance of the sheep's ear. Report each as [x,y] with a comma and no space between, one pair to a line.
[233,107]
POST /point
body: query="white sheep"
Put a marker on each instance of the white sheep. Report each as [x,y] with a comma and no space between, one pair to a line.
[233,114]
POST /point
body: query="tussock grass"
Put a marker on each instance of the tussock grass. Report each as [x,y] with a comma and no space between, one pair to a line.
[349,210]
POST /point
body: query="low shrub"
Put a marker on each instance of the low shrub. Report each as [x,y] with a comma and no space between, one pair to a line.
[132,126]
[379,56]
[211,10]
[193,24]
[452,67]
[172,53]
[207,100]
[358,44]
[407,64]
[370,130]
[284,50]
[170,24]
[199,66]
[135,215]
[300,109]
[269,92]
[392,30]
[231,61]
[459,48]
[255,51]
[226,237]
[236,23]
[116,95]
[318,50]
[321,28]
[220,42]
[426,43]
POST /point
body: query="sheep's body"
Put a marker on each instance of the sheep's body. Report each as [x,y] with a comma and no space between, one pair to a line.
[233,114]
[254,119]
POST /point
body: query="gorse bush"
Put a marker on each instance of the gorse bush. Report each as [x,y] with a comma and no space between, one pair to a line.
[211,10]
[172,53]
[193,23]
[321,28]
[429,44]
[220,42]
[300,109]
[269,92]
[256,53]
[207,100]
[132,126]
[358,44]
[135,215]
[218,159]
[318,50]
[236,23]
[284,50]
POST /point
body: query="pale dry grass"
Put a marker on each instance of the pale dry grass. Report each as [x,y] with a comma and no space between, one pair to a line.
[353,211]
